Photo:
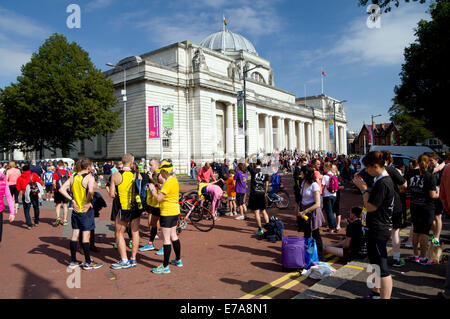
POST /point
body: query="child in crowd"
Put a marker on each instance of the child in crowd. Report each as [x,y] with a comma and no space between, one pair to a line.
[353,246]
[231,193]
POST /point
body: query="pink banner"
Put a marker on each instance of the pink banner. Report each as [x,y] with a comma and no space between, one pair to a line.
[153,121]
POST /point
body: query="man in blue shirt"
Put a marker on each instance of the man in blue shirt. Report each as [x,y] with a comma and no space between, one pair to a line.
[275,182]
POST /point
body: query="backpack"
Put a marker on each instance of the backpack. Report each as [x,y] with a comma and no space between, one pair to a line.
[34,189]
[274,230]
[61,180]
[333,184]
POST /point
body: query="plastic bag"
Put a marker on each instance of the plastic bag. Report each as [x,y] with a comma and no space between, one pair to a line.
[319,271]
[311,253]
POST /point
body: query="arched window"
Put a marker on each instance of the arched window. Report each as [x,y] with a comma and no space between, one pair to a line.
[258,77]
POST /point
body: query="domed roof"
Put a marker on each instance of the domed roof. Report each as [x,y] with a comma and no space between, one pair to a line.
[227,40]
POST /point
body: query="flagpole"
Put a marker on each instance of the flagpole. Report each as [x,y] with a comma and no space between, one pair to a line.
[321,75]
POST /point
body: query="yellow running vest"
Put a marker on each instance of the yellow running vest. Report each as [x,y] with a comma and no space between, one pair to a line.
[79,192]
[125,190]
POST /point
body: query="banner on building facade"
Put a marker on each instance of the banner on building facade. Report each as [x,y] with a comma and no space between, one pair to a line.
[370,137]
[240,112]
[331,128]
[153,121]
[167,120]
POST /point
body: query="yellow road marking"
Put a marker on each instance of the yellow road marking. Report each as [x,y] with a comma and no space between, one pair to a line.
[269,285]
[356,267]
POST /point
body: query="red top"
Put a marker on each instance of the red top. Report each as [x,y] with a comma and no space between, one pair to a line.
[444,193]
[204,175]
[62,172]
[24,180]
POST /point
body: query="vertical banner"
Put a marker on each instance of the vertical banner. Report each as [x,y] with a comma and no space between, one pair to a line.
[153,121]
[370,139]
[240,112]
[167,120]
[331,128]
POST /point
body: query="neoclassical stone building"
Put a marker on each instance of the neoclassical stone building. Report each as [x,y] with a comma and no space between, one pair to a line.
[201,83]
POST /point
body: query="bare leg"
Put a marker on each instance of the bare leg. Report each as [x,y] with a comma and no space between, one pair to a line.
[120,231]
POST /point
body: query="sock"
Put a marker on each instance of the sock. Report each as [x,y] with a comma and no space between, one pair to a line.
[397,256]
[87,255]
[167,251]
[153,233]
[177,249]
[73,250]
[92,238]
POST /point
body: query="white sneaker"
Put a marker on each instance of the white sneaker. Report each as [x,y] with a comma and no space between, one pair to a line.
[240,217]
[229,214]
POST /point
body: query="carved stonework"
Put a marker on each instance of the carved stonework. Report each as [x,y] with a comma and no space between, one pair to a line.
[199,61]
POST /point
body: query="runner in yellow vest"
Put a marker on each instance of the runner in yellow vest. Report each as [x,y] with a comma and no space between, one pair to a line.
[83,213]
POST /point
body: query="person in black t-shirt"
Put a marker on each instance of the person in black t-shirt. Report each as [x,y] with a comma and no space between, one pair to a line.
[353,246]
[258,188]
[399,187]
[422,190]
[379,205]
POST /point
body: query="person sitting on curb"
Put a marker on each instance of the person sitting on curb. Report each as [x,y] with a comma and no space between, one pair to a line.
[353,246]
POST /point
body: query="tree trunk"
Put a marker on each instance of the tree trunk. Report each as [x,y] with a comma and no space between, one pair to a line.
[65,151]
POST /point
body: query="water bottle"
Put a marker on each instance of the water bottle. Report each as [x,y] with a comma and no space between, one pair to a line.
[363,217]
[139,202]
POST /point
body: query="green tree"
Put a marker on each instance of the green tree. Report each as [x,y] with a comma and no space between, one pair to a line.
[386,5]
[411,129]
[425,82]
[59,98]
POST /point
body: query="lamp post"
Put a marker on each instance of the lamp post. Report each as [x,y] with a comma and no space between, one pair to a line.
[371,128]
[124,97]
[245,71]
[334,123]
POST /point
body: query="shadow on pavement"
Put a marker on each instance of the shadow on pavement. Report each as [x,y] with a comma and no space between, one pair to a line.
[34,286]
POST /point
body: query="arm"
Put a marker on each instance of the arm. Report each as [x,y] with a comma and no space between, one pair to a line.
[434,194]
[10,201]
[212,174]
[346,243]
[112,186]
[313,207]
[158,196]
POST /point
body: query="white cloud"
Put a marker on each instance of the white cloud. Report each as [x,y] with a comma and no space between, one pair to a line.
[11,59]
[383,46]
[98,4]
[13,23]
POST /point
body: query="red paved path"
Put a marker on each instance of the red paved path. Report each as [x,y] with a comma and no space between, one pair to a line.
[228,262]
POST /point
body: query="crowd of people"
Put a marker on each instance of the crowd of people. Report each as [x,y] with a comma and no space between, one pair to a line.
[387,192]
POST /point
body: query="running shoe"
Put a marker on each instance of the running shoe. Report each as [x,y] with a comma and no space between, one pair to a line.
[436,241]
[161,270]
[160,252]
[398,263]
[74,264]
[415,259]
[130,244]
[409,245]
[147,247]
[121,265]
[57,222]
[229,214]
[240,217]
[133,262]
[372,296]
[65,223]
[91,265]
[424,261]
[177,263]
[259,232]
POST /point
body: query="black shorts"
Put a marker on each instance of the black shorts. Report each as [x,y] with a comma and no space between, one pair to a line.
[257,201]
[168,221]
[60,199]
[128,215]
[155,211]
[297,195]
[49,188]
[422,219]
[397,220]
[377,253]
[14,193]
[83,221]
[240,199]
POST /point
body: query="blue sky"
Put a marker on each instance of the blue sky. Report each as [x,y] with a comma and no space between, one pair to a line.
[298,37]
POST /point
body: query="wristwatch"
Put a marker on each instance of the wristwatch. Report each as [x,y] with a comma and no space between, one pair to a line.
[363,191]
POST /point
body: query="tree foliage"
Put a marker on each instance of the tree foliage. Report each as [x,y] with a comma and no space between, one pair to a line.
[386,5]
[59,98]
[425,79]
[411,130]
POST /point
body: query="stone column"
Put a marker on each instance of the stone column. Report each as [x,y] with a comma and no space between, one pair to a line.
[266,133]
[229,130]
[310,136]
[301,136]
[292,144]
[257,132]
[270,134]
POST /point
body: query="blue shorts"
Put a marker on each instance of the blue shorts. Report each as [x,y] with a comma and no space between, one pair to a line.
[83,221]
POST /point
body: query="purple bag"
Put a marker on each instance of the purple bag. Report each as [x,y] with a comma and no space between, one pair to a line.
[293,252]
